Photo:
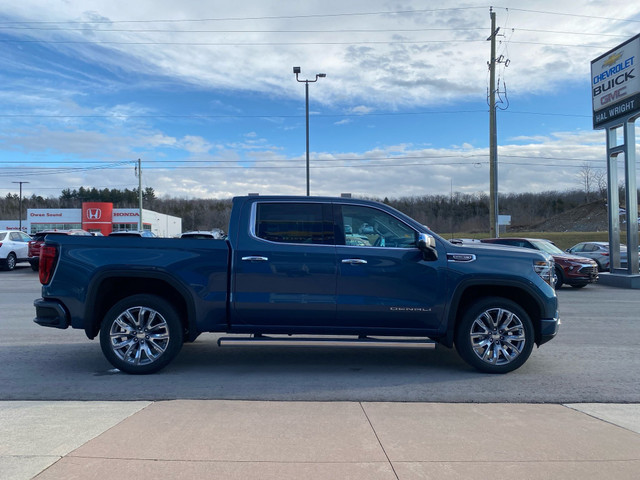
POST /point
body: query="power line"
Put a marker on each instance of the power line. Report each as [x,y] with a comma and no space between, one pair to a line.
[224,19]
[318,115]
[310,16]
[279,44]
[321,160]
[241,44]
[306,31]
[574,15]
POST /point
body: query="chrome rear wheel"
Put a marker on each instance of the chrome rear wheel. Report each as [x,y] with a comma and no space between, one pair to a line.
[141,334]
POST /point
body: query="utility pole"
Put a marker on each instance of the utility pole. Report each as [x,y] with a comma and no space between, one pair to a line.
[493,136]
[140,226]
[20,214]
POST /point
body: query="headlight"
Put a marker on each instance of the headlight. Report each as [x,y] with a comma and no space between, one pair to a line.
[545,270]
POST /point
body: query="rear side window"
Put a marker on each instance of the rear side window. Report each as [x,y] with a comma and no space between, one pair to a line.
[309,223]
[515,243]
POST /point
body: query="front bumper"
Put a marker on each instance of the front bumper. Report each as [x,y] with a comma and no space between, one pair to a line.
[51,313]
[582,276]
[548,329]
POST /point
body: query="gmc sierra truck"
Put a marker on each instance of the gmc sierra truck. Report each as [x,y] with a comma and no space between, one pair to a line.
[300,270]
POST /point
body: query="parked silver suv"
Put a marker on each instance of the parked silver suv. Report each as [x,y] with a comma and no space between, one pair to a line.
[599,251]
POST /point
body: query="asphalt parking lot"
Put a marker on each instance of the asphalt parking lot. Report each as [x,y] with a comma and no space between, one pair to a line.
[595,358]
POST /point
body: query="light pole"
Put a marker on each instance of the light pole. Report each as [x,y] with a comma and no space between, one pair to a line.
[20,219]
[296,70]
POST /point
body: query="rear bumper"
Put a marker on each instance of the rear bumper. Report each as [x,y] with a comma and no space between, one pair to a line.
[50,313]
[548,329]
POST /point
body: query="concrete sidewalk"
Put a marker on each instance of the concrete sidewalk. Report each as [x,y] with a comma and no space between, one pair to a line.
[193,439]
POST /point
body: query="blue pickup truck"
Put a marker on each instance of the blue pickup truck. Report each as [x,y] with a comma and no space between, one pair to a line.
[300,270]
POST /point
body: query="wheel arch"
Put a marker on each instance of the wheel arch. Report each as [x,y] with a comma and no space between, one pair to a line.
[107,289]
[467,294]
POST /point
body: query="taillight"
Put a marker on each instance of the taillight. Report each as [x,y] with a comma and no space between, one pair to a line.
[48,257]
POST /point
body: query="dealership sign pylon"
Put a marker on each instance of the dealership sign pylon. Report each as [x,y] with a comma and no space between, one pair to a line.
[615,95]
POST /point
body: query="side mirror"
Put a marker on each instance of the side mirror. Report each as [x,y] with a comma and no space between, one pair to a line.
[427,245]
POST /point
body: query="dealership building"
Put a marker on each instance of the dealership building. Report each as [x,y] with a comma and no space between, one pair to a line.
[97,217]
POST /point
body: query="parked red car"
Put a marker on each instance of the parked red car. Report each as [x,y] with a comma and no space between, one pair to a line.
[38,240]
[570,269]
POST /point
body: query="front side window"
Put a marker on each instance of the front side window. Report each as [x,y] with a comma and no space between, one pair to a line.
[370,227]
[308,223]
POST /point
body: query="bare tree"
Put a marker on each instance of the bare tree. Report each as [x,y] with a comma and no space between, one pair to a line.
[601,183]
[586,180]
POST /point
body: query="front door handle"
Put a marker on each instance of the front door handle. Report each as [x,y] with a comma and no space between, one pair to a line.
[255,258]
[354,261]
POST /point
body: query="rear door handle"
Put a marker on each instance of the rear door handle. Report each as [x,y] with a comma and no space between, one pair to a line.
[255,258]
[354,261]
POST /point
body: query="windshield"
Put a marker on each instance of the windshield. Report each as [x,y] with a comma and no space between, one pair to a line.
[547,247]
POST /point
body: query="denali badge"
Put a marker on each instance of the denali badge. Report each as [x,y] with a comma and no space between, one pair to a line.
[409,309]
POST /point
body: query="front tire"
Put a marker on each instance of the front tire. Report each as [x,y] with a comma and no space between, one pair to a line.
[559,278]
[10,262]
[495,335]
[141,334]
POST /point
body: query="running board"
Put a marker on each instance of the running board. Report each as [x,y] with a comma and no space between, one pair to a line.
[260,340]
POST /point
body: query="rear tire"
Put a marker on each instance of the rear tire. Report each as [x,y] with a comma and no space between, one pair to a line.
[495,335]
[141,334]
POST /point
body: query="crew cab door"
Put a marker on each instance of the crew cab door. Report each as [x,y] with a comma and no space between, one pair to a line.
[284,267]
[383,281]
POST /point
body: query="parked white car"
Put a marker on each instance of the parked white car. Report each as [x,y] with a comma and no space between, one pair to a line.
[215,233]
[14,248]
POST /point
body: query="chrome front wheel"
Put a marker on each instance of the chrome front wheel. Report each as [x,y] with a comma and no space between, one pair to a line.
[495,335]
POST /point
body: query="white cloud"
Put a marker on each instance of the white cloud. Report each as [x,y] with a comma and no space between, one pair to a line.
[193,144]
[361,110]
[443,56]
[374,63]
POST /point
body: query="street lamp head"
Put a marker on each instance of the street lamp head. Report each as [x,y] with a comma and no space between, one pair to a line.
[322,75]
[296,70]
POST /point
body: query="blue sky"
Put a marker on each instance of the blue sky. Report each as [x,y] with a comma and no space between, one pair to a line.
[204,94]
